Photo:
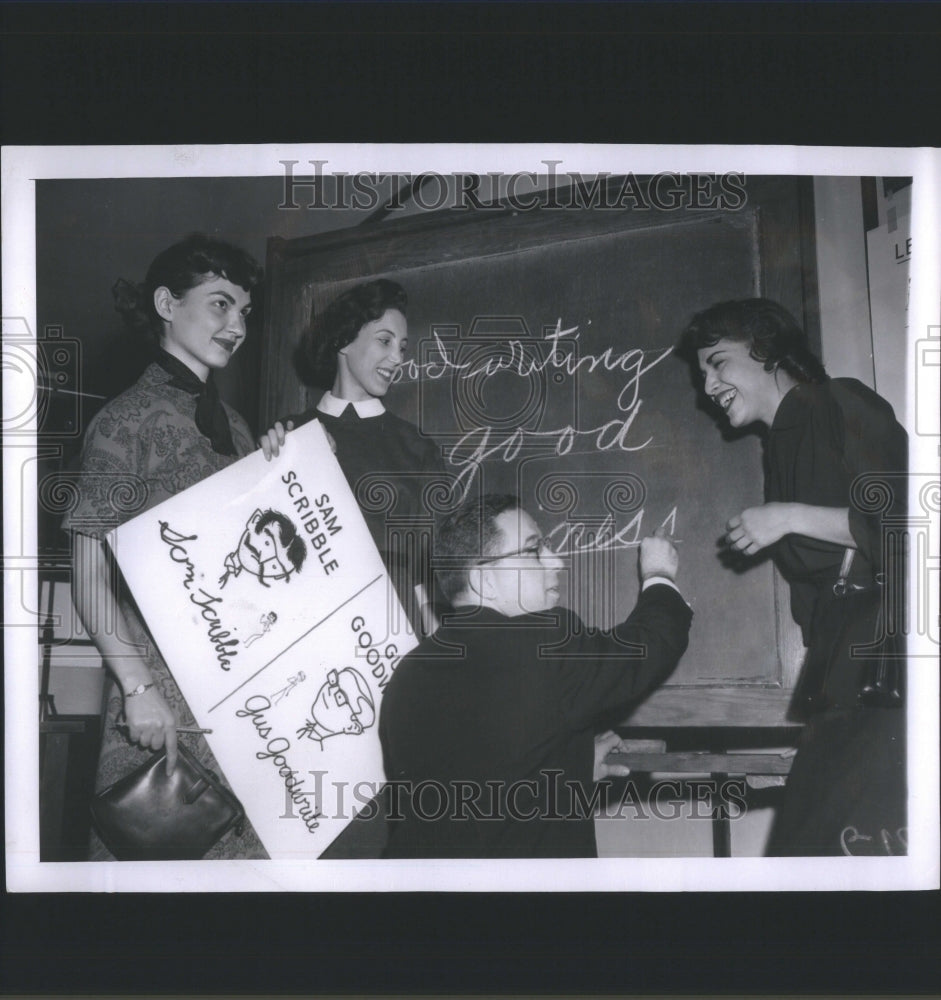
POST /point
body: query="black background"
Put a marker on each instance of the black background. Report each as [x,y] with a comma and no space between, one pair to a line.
[826,74]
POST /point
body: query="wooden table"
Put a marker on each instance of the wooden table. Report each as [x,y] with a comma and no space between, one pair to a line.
[651,756]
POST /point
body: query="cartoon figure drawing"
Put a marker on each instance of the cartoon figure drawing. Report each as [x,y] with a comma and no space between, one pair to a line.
[269,549]
[289,687]
[266,622]
[343,705]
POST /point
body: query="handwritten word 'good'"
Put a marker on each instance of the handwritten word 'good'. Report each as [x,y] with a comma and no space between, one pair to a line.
[560,441]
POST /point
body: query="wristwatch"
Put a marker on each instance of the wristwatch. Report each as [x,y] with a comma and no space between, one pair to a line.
[140,689]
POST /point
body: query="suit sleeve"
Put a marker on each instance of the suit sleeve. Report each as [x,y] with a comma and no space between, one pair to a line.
[619,668]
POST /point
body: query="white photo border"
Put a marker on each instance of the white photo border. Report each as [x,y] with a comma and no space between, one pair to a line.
[23,166]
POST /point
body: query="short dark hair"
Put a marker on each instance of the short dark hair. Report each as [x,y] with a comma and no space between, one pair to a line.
[467,534]
[294,546]
[339,324]
[191,262]
[774,337]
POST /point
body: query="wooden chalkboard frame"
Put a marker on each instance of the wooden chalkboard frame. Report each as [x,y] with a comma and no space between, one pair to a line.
[784,212]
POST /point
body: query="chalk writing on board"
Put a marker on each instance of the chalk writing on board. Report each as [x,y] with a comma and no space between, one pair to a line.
[557,350]
[561,440]
[524,362]
[570,537]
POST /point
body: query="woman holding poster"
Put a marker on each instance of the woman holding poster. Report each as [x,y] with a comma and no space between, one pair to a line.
[353,350]
[166,433]
[846,790]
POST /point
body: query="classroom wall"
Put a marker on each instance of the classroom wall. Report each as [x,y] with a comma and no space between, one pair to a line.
[843,289]
[90,233]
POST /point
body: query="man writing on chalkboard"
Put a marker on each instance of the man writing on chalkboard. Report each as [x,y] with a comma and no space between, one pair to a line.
[488,726]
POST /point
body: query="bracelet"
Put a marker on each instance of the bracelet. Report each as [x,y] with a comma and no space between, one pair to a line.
[140,689]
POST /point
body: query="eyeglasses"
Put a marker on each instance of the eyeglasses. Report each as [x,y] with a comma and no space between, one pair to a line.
[535,550]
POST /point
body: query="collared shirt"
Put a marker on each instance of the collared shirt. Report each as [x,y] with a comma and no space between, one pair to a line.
[334,406]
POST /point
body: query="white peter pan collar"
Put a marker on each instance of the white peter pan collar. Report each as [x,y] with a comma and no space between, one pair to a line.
[334,407]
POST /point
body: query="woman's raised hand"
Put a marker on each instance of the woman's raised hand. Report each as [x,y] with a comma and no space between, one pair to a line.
[152,724]
[270,443]
[758,527]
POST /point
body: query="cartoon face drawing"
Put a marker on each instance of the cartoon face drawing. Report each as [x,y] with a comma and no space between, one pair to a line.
[343,704]
[269,549]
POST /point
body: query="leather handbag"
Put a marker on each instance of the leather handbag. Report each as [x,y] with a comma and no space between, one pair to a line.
[147,816]
[832,676]
[880,682]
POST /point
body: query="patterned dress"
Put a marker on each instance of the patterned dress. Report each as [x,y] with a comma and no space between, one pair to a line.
[141,449]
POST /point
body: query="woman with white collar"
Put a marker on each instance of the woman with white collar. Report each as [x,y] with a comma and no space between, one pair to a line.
[353,350]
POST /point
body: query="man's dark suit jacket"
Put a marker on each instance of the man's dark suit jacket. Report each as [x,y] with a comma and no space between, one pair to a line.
[488,727]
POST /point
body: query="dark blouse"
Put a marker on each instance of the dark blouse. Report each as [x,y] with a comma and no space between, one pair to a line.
[823,437]
[389,465]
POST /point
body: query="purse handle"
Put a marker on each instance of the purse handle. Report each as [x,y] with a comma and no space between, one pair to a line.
[841,586]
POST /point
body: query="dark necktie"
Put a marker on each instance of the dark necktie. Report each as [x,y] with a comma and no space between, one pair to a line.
[211,419]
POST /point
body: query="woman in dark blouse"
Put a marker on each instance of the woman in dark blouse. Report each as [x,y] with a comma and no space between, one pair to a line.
[166,433]
[846,792]
[353,350]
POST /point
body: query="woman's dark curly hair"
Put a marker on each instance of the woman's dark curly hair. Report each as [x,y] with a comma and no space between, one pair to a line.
[773,335]
[339,324]
[194,261]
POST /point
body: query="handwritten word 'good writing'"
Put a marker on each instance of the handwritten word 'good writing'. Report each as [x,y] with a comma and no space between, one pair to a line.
[521,360]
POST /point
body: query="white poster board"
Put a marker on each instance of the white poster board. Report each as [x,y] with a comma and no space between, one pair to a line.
[268,599]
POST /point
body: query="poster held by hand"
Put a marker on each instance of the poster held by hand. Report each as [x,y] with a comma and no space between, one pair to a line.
[266,595]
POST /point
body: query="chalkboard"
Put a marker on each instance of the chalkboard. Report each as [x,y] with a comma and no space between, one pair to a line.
[542,365]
